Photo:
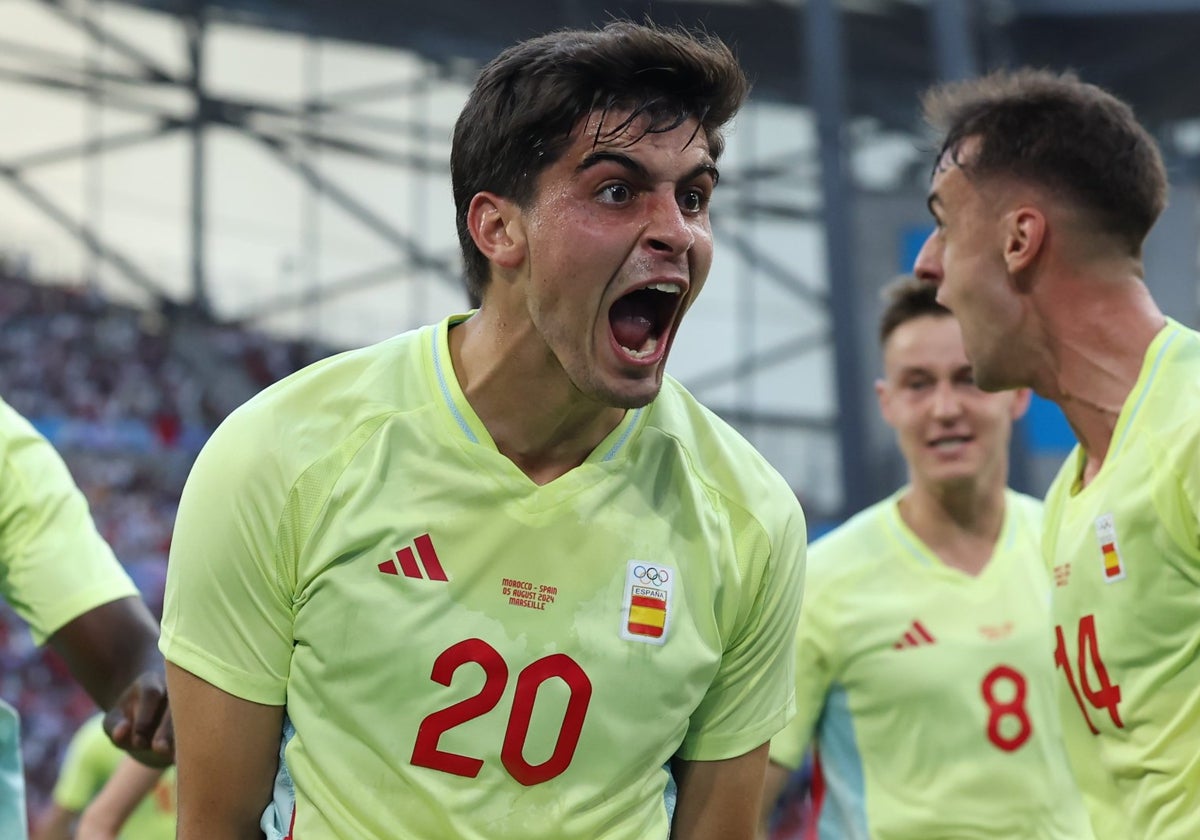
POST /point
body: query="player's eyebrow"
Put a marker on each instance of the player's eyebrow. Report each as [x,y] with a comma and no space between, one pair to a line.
[624,161]
[637,169]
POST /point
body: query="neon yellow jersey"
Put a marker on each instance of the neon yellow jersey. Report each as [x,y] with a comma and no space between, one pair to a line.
[1126,557]
[54,566]
[929,693]
[463,653]
[90,761]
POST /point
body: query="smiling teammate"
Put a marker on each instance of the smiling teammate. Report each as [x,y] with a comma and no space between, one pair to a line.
[924,669]
[485,579]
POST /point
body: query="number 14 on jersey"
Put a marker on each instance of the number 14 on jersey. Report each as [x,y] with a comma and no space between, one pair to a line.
[1106,696]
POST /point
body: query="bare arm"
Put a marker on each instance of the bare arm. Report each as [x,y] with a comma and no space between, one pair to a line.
[55,824]
[112,651]
[227,757]
[719,800]
[776,780]
[105,815]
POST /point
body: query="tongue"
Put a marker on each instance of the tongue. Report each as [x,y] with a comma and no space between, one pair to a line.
[631,322]
[631,331]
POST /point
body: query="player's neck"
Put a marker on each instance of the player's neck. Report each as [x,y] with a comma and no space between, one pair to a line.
[960,522]
[1097,356]
[535,416]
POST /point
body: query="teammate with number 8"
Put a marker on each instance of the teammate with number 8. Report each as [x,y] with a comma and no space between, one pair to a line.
[1044,192]
[924,670]
[488,579]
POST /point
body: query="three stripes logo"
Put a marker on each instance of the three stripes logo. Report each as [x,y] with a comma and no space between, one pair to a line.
[915,636]
[423,565]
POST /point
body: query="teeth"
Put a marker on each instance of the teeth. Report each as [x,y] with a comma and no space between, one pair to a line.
[949,442]
[651,346]
[669,288]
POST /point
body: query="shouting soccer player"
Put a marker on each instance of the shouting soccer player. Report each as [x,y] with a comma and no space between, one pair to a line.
[493,577]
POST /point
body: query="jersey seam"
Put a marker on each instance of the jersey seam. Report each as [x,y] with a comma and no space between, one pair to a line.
[302,540]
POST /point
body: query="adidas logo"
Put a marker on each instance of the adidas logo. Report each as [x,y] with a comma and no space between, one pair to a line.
[428,567]
[915,636]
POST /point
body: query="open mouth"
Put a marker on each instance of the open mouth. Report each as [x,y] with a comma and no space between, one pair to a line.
[641,319]
[950,442]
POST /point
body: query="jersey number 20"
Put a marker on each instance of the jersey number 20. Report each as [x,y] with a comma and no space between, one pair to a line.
[426,752]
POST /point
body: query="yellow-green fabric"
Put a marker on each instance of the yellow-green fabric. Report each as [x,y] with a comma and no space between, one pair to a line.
[929,693]
[90,761]
[463,653]
[1125,552]
[54,565]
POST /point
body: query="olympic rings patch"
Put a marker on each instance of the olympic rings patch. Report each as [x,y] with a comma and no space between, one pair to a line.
[651,575]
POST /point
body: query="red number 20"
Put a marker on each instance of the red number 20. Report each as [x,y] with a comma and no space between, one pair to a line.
[425,751]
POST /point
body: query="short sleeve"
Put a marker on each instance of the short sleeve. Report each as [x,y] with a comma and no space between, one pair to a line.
[814,675]
[227,611]
[752,695]
[54,565]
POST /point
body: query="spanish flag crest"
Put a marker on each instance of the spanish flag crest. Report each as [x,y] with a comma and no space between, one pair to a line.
[1106,535]
[647,608]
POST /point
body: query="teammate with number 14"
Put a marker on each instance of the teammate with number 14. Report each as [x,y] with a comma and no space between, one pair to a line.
[488,579]
[1044,193]
[924,674]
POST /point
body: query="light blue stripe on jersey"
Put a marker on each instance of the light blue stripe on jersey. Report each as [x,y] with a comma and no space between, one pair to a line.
[1162,351]
[276,821]
[616,447]
[670,795]
[441,377]
[843,809]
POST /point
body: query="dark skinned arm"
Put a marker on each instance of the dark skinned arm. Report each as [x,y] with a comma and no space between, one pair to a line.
[112,650]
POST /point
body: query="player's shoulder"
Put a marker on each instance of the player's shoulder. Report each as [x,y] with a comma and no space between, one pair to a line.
[1025,511]
[345,384]
[322,414]
[15,429]
[855,548]
[1172,406]
[327,400]
[716,453]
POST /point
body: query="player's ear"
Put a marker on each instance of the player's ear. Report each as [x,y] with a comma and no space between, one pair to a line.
[1024,237]
[1020,403]
[883,396]
[496,226]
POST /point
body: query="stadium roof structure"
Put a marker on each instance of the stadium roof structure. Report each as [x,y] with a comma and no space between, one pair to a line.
[892,48]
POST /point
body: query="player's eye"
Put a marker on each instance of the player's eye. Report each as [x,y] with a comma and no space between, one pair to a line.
[617,193]
[693,200]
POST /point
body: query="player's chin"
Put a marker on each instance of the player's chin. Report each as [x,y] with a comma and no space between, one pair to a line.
[630,391]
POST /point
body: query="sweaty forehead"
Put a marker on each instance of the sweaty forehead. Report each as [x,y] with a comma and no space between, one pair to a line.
[617,129]
[928,342]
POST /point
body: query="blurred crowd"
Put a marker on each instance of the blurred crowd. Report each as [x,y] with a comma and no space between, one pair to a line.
[128,397]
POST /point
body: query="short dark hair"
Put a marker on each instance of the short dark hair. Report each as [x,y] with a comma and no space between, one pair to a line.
[905,299]
[518,118]
[1054,130]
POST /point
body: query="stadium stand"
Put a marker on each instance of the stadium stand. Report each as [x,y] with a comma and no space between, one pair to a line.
[128,397]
